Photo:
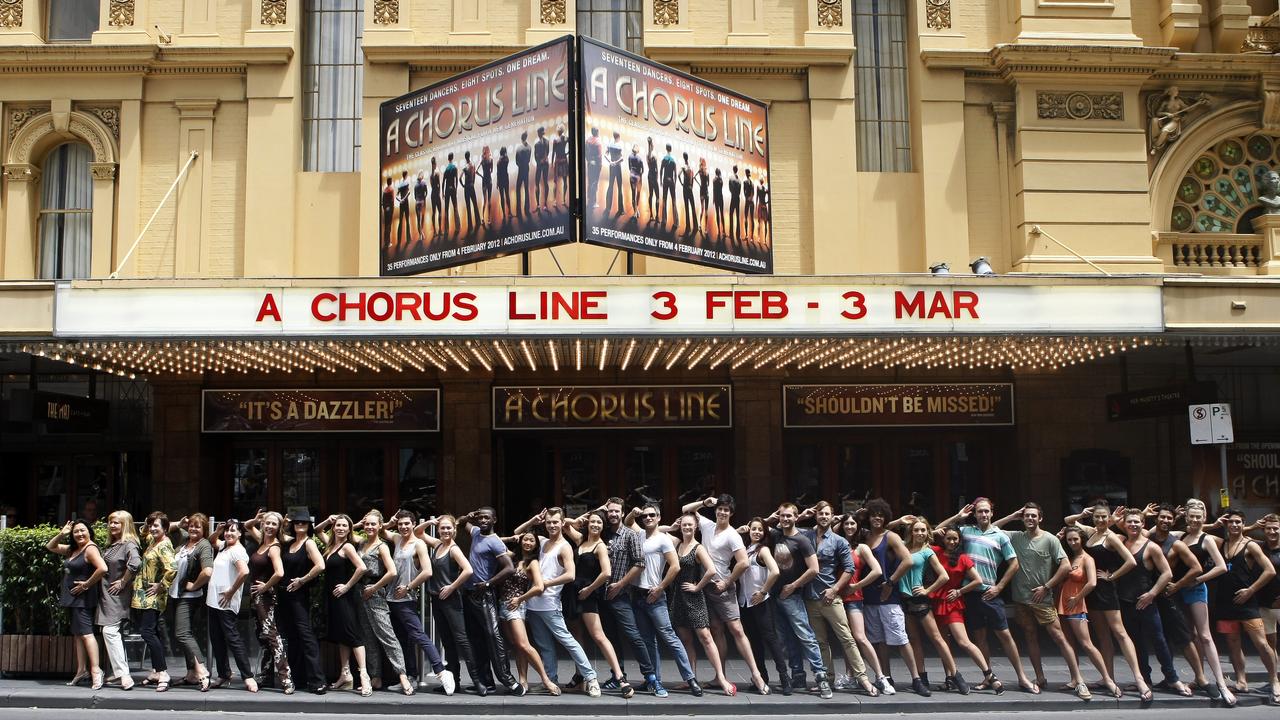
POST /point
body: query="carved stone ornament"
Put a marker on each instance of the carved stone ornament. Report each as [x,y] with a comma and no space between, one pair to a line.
[666,12]
[11,13]
[275,12]
[21,172]
[18,116]
[386,12]
[121,13]
[938,14]
[552,12]
[103,171]
[830,13]
[110,116]
[1168,113]
[1079,106]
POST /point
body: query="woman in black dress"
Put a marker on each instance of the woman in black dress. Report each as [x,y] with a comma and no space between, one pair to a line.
[302,564]
[689,605]
[343,570]
[1236,610]
[593,574]
[82,569]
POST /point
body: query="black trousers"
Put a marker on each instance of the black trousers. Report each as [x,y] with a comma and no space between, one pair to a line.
[407,626]
[148,628]
[757,622]
[452,630]
[293,615]
[224,635]
[481,612]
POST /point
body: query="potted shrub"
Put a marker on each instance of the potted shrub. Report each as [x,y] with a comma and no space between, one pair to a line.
[34,638]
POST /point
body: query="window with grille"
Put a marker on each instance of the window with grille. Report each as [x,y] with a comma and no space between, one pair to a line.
[72,20]
[66,212]
[617,22]
[332,84]
[883,118]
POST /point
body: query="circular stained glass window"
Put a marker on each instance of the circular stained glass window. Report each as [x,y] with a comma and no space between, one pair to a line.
[1260,147]
[1180,221]
[1221,187]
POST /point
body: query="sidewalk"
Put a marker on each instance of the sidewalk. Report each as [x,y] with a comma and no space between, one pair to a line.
[49,693]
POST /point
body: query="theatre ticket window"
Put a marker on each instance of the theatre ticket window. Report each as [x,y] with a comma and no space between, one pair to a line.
[332,85]
[617,22]
[66,212]
[881,109]
[72,20]
[418,480]
[249,472]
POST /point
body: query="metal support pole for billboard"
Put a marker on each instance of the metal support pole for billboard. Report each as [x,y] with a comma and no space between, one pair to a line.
[631,263]
[524,263]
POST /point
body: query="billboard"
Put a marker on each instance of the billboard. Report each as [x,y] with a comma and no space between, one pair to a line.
[479,165]
[672,165]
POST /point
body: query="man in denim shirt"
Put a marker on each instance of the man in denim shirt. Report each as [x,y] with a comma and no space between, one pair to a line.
[822,596]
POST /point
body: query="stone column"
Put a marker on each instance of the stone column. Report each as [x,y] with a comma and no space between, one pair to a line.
[834,157]
[466,426]
[102,238]
[1180,23]
[22,192]
[122,22]
[1229,23]
[1003,115]
[20,23]
[199,24]
[191,214]
[272,22]
[943,173]
[272,171]
[1074,23]
[549,19]
[470,23]
[746,23]
[667,22]
[128,185]
[387,22]
[830,23]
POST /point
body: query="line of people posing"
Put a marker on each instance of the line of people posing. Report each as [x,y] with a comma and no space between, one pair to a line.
[749,217]
[867,584]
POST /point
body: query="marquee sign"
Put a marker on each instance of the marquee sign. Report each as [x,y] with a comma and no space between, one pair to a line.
[898,405]
[312,411]
[604,306]
[612,407]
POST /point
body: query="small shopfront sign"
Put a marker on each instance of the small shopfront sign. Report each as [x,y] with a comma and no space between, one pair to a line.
[612,407]
[319,411]
[1159,401]
[59,413]
[898,405]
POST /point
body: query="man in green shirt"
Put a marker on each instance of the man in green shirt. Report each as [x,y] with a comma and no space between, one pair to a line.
[1042,566]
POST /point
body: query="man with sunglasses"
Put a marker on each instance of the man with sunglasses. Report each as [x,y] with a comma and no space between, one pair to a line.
[661,566]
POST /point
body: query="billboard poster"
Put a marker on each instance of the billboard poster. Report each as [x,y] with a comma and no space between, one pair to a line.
[672,165]
[479,165]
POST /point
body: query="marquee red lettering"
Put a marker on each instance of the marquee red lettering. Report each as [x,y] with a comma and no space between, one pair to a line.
[556,305]
[315,307]
[269,308]
[939,304]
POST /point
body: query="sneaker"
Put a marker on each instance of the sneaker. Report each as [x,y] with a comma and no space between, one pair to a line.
[447,682]
[885,684]
[517,689]
[658,689]
[843,682]
[593,688]
[613,683]
[785,685]
[824,689]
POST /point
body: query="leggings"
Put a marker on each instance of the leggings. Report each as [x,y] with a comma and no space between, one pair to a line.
[379,638]
[408,629]
[757,622]
[300,638]
[453,625]
[224,634]
[264,610]
[147,628]
[183,614]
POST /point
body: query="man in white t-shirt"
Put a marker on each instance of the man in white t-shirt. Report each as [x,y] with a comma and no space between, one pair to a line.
[661,566]
[729,556]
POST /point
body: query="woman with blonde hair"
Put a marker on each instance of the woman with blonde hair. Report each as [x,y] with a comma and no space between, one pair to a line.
[265,572]
[82,570]
[123,561]
[450,571]
[150,593]
[918,605]
[1195,598]
[375,614]
[343,570]
[193,566]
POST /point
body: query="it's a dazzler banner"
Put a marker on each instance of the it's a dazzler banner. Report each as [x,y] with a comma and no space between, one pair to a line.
[512,156]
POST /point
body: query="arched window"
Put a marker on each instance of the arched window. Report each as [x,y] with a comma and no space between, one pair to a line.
[66,212]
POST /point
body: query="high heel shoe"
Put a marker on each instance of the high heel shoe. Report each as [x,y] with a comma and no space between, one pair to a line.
[98,679]
[366,687]
[80,676]
[344,681]
[990,680]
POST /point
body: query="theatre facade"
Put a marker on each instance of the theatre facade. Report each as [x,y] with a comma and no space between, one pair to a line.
[196,316]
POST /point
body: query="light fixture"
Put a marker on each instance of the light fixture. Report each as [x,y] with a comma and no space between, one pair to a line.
[981,267]
[940,269]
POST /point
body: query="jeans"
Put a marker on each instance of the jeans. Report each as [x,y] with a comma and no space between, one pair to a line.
[655,623]
[757,622]
[792,614]
[823,616]
[452,626]
[482,622]
[147,628]
[184,613]
[224,635]
[547,627]
[622,618]
[112,638]
[409,632]
[1147,632]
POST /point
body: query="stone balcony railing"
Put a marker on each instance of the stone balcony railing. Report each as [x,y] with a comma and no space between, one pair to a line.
[1210,253]
[1263,36]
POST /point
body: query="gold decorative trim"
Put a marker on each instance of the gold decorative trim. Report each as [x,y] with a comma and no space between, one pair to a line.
[1075,105]
[666,12]
[275,12]
[386,12]
[938,14]
[552,12]
[830,13]
[121,13]
[11,13]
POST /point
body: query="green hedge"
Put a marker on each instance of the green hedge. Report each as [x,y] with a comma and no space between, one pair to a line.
[32,581]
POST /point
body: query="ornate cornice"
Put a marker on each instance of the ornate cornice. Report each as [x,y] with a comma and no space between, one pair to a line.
[1009,61]
[137,59]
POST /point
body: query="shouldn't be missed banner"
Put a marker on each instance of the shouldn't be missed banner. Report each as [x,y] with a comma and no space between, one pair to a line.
[673,166]
[479,165]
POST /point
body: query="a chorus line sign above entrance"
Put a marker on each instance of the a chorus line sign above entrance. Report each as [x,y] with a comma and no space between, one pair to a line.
[908,405]
[607,306]
[315,411]
[612,407]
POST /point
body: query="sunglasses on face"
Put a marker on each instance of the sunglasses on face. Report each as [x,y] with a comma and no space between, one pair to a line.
[649,515]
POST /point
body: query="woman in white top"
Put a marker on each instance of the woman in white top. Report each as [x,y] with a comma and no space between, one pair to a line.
[757,605]
[230,570]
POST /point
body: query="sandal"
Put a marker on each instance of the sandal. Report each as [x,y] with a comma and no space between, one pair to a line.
[625,688]
[1082,692]
[1115,691]
[1029,688]
[574,683]
[366,687]
[251,685]
[77,679]
[553,690]
[162,686]
[989,680]
[220,683]
[204,684]
[1146,697]
[867,686]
